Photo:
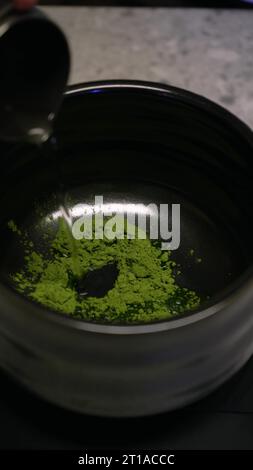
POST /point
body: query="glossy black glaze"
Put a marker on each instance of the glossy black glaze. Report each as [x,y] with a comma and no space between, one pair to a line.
[136,142]
[97,282]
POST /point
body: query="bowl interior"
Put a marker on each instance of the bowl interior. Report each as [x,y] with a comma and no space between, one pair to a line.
[138,146]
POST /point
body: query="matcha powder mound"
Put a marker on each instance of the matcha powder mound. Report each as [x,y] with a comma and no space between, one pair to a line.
[145,289]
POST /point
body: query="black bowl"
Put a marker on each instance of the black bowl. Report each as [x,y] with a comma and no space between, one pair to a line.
[136,142]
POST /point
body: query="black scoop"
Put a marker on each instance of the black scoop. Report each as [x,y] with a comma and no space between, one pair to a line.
[97,282]
[35,62]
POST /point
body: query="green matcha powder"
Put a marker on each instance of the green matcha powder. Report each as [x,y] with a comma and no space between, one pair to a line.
[145,289]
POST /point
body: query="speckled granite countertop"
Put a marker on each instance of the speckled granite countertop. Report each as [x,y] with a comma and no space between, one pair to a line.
[206,51]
